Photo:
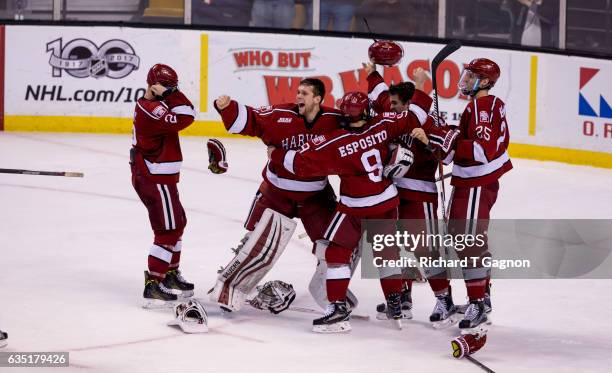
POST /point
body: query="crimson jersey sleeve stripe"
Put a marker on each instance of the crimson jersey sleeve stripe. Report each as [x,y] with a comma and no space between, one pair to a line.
[184,110]
[481,170]
[239,124]
[419,113]
[377,91]
[266,113]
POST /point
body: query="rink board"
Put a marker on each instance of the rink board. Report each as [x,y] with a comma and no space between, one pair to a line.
[86,79]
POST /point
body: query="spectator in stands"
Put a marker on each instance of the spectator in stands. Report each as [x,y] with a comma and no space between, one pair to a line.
[303,15]
[221,12]
[390,17]
[339,12]
[536,23]
[273,13]
[336,15]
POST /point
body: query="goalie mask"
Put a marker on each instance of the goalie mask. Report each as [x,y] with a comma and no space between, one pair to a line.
[274,296]
[191,317]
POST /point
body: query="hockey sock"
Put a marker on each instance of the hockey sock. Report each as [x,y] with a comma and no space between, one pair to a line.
[176,255]
[476,288]
[159,260]
[439,285]
[338,277]
[391,285]
[336,289]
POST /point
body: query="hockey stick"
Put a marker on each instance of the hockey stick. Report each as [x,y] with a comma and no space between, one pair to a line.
[446,176]
[479,364]
[42,173]
[449,49]
[369,29]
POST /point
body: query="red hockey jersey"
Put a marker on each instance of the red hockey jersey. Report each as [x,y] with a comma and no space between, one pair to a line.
[481,153]
[283,127]
[358,158]
[419,183]
[155,140]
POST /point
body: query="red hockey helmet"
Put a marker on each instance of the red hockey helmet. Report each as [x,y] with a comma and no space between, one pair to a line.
[355,106]
[162,74]
[385,52]
[485,68]
[474,72]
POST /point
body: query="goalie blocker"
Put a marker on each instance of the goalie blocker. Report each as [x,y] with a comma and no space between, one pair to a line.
[253,260]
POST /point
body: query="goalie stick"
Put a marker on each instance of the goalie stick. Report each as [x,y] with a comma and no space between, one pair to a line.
[449,49]
[41,173]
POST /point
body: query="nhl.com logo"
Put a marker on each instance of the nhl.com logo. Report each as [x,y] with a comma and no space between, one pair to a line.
[82,58]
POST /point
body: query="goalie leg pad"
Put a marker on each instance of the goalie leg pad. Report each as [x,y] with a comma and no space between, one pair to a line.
[318,285]
[251,263]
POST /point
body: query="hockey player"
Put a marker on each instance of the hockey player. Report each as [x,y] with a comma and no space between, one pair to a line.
[480,158]
[286,195]
[155,160]
[417,188]
[356,153]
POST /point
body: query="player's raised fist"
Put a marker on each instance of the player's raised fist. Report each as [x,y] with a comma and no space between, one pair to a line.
[369,67]
[420,135]
[420,77]
[223,101]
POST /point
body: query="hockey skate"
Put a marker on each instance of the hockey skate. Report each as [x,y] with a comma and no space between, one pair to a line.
[487,301]
[335,319]
[406,301]
[3,339]
[177,284]
[444,314]
[475,320]
[394,310]
[156,295]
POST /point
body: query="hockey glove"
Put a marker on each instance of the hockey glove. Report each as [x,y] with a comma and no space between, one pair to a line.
[399,164]
[467,344]
[216,156]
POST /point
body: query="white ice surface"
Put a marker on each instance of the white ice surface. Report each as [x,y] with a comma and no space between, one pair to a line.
[72,253]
